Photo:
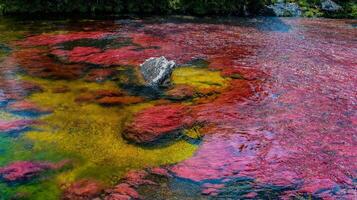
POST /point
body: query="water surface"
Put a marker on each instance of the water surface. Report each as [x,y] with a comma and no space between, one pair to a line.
[272,100]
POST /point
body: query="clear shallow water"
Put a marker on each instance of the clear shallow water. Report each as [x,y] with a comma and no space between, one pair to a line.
[273,102]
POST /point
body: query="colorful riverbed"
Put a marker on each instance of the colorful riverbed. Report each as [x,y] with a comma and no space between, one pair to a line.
[261,108]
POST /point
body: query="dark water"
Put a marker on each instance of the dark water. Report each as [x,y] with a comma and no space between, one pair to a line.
[262,108]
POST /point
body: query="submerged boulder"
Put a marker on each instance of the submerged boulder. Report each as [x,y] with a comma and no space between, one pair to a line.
[281,9]
[330,6]
[157,71]
[158,122]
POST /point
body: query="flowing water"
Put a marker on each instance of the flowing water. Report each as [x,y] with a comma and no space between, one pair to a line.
[262,108]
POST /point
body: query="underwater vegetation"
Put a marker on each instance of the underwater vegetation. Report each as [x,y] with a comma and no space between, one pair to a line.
[250,112]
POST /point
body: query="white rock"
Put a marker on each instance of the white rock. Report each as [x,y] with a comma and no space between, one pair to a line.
[157,71]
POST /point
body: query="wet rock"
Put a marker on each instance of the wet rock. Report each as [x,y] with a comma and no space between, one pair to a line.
[100,75]
[157,122]
[285,9]
[330,6]
[83,190]
[24,170]
[157,71]
[15,125]
[180,92]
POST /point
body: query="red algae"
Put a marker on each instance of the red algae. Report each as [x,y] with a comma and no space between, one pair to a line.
[181,92]
[36,62]
[157,122]
[27,106]
[300,133]
[287,117]
[84,189]
[99,75]
[15,125]
[24,170]
[119,100]
[53,39]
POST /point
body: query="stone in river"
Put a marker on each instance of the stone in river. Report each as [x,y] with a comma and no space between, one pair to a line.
[158,122]
[157,71]
[281,9]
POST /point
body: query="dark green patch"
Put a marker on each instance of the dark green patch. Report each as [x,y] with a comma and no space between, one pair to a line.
[236,76]
[106,43]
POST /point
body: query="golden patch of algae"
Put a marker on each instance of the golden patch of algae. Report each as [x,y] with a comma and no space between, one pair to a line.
[90,134]
[198,77]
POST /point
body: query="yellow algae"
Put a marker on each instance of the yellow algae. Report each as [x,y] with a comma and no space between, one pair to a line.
[200,78]
[7,116]
[90,134]
[193,132]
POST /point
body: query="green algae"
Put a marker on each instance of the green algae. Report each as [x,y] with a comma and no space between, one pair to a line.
[43,188]
[90,135]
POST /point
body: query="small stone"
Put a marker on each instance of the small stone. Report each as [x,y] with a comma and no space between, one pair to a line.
[285,9]
[157,71]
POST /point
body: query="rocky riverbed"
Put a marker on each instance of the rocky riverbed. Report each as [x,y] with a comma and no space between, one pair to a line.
[260,108]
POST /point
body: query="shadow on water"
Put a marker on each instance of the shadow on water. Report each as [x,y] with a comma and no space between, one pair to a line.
[270,24]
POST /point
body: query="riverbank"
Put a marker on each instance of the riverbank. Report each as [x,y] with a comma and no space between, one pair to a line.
[123,8]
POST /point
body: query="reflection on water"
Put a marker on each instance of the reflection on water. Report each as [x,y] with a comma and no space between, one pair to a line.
[258,109]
